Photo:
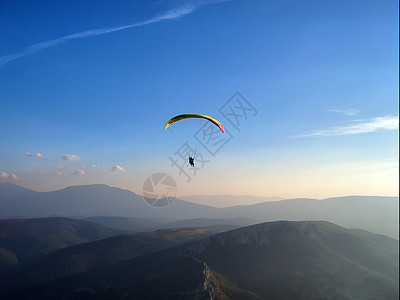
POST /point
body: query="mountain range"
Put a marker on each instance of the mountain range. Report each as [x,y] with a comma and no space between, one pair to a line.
[227,200]
[64,250]
[374,213]
[273,260]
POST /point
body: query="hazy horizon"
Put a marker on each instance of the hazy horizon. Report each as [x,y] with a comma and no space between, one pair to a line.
[210,200]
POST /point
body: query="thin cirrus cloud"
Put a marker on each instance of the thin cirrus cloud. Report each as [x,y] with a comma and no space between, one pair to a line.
[347,112]
[117,168]
[384,123]
[37,154]
[71,157]
[169,15]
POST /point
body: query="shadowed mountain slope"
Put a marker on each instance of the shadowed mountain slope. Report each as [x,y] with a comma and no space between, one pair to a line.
[276,260]
[27,238]
[140,224]
[87,256]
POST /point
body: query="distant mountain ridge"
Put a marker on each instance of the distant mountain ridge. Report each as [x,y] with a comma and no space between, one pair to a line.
[227,200]
[373,213]
[88,201]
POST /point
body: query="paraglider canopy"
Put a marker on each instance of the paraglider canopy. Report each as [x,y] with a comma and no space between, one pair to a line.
[187,116]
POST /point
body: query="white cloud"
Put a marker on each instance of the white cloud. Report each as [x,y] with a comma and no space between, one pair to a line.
[79,172]
[376,124]
[117,168]
[71,157]
[169,15]
[6,176]
[58,173]
[348,112]
[39,155]
[94,166]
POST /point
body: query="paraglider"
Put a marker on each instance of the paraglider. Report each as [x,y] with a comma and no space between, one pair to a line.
[187,116]
[191,161]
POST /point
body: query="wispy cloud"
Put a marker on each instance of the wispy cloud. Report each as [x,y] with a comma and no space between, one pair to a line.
[39,155]
[348,112]
[71,157]
[376,124]
[169,15]
[117,168]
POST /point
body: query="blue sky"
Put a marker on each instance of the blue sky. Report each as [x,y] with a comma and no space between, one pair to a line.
[87,86]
